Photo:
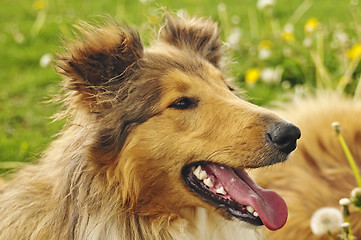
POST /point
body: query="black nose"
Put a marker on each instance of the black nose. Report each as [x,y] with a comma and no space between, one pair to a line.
[284,136]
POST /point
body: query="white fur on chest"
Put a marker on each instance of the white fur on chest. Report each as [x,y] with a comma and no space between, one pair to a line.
[211,226]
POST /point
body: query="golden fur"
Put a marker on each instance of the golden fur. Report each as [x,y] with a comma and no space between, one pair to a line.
[114,170]
[318,174]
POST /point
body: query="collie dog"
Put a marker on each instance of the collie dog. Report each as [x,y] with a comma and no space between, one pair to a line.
[156,147]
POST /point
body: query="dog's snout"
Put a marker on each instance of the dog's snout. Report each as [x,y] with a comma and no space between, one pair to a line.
[284,135]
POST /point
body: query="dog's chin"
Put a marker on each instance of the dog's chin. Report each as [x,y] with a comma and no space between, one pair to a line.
[234,194]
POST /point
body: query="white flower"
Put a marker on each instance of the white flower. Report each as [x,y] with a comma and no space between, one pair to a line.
[264,49]
[307,42]
[356,192]
[336,127]
[234,38]
[262,4]
[344,201]
[341,37]
[264,53]
[356,197]
[271,75]
[345,225]
[335,124]
[326,219]
[222,7]
[289,28]
[45,60]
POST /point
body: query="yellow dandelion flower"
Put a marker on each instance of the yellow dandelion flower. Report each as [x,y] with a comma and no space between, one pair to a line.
[39,4]
[288,36]
[311,25]
[265,44]
[252,75]
[354,52]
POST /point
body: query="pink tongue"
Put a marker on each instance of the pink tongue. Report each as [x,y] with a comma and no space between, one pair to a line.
[270,207]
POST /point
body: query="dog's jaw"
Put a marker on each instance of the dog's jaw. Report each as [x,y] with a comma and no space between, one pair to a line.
[234,191]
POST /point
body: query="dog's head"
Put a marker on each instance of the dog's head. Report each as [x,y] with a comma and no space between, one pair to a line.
[166,125]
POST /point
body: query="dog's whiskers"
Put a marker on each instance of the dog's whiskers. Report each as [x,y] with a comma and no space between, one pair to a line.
[218,152]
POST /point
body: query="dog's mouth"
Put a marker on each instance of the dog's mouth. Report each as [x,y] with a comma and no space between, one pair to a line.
[234,191]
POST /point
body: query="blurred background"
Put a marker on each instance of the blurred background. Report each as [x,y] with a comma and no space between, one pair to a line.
[278,49]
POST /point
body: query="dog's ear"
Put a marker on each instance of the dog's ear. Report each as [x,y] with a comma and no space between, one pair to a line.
[197,34]
[94,60]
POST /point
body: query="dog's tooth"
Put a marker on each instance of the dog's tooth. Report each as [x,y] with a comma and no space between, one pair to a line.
[255,214]
[200,173]
[203,175]
[208,182]
[221,191]
[250,209]
[197,171]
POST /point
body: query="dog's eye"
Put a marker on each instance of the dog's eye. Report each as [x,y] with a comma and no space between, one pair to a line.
[184,103]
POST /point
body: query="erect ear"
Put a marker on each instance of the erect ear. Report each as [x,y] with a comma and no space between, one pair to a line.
[198,34]
[94,60]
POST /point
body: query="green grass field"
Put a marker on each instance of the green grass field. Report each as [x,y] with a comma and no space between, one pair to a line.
[269,41]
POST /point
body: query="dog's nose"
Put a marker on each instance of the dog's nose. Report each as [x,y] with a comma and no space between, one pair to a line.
[284,135]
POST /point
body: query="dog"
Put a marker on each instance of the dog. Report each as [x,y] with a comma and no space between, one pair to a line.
[318,174]
[156,146]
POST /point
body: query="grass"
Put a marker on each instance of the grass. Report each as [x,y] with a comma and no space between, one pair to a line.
[31,29]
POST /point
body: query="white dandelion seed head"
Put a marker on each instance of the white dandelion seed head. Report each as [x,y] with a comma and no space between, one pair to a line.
[356,192]
[344,202]
[336,127]
[270,75]
[335,124]
[45,60]
[289,28]
[341,37]
[307,42]
[326,219]
[264,53]
[222,7]
[356,197]
[262,4]
[345,225]
[234,38]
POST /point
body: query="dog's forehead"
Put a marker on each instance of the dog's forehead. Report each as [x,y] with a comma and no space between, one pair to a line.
[183,81]
[179,68]
[187,60]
